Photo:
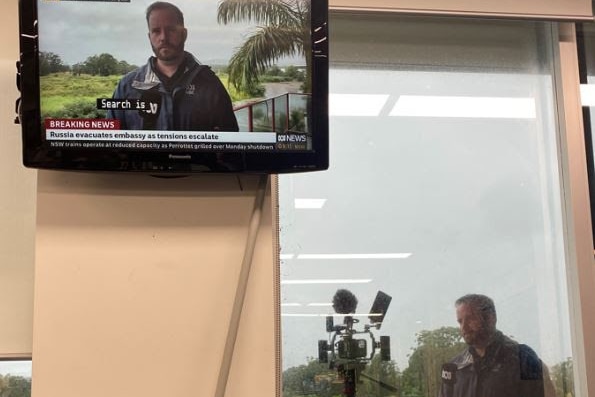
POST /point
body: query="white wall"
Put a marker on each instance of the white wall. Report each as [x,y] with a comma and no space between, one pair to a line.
[17,206]
[135,279]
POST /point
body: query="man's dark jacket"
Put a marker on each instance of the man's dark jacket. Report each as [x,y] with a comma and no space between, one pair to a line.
[508,369]
[194,100]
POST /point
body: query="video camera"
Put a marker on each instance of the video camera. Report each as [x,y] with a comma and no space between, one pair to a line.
[345,350]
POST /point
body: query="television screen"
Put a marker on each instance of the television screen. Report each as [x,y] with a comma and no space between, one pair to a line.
[174,87]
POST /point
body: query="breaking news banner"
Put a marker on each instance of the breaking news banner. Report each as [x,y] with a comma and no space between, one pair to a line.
[106,133]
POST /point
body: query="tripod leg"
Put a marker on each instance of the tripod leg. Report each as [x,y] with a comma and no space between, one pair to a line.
[349,382]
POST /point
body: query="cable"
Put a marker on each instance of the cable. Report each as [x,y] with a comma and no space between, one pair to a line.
[236,313]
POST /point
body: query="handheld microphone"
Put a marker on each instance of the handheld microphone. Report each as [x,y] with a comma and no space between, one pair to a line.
[150,107]
[449,378]
[344,302]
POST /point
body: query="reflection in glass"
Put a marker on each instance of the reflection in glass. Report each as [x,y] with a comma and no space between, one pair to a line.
[427,204]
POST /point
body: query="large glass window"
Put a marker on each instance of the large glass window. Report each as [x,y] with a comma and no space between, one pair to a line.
[443,182]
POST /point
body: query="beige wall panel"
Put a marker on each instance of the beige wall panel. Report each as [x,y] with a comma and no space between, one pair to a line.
[548,9]
[135,281]
[17,206]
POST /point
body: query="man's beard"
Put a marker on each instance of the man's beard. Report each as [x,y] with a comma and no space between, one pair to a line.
[173,53]
[481,336]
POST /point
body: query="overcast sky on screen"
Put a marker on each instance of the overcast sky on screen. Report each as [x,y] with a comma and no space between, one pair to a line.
[76,30]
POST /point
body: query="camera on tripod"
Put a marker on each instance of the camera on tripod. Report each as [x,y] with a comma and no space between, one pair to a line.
[349,347]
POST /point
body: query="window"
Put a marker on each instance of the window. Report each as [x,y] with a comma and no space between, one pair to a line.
[443,181]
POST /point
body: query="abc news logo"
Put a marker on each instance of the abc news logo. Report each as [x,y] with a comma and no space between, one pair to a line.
[449,373]
[291,138]
[446,375]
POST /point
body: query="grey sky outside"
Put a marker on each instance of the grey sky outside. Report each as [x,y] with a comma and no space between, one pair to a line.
[16,368]
[76,30]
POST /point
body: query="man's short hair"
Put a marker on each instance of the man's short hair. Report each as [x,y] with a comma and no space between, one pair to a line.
[164,5]
[485,304]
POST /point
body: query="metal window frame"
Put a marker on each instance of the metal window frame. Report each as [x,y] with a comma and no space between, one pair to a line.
[577,210]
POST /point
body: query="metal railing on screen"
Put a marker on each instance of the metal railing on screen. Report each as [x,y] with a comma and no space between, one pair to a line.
[287,113]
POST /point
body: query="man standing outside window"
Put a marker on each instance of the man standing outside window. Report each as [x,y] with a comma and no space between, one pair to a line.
[493,365]
[176,91]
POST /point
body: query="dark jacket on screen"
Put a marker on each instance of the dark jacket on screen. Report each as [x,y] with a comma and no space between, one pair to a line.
[193,100]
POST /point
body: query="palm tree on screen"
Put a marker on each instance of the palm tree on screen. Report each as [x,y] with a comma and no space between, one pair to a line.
[283,30]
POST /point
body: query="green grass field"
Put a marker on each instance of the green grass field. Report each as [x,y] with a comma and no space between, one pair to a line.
[60,91]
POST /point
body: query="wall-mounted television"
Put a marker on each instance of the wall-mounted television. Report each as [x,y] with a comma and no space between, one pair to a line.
[182,86]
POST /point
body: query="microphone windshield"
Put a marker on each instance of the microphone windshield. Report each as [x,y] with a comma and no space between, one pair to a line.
[344,302]
[449,373]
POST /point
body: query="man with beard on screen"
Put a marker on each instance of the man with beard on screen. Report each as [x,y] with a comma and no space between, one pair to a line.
[178,93]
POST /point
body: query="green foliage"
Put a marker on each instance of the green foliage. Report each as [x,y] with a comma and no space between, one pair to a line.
[255,91]
[74,94]
[275,74]
[96,65]
[272,79]
[79,110]
[50,63]
[283,30]
[102,65]
[274,71]
[65,94]
[434,348]
[379,379]
[15,386]
[293,73]
[66,84]
[313,379]
[563,379]
[420,379]
[297,121]
[68,94]
[239,94]
[316,379]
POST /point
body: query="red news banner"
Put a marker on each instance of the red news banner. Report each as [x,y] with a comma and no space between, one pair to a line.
[82,124]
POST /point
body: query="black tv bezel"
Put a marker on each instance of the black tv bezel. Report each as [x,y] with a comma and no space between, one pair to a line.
[37,154]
